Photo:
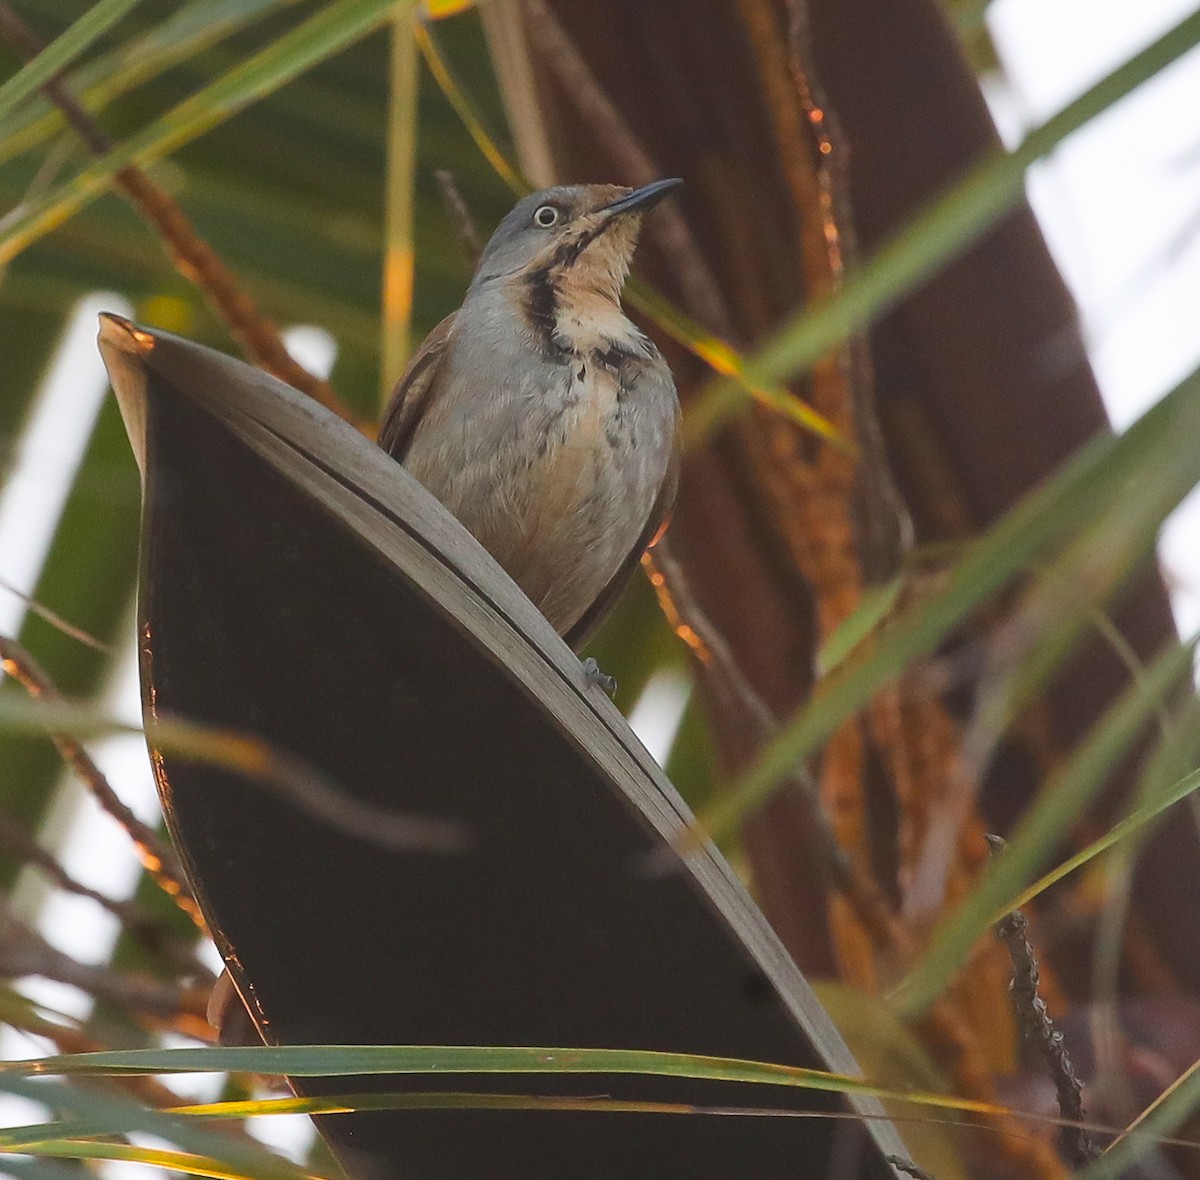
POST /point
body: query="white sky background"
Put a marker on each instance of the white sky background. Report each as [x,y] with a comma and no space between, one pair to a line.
[1120,204]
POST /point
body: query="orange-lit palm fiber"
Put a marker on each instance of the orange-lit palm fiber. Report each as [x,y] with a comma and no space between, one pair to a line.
[156,855]
[819,497]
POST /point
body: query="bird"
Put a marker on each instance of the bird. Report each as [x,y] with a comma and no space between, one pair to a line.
[539,414]
[543,419]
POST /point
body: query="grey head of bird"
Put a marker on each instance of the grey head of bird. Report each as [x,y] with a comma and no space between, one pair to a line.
[584,234]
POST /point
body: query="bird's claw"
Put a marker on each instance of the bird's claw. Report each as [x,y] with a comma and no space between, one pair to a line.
[594,678]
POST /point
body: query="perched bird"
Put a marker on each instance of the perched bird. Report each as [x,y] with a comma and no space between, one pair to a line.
[539,414]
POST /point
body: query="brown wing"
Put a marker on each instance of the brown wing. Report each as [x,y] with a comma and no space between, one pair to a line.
[413,391]
[660,516]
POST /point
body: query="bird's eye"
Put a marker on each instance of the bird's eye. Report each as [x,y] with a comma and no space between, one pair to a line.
[546,216]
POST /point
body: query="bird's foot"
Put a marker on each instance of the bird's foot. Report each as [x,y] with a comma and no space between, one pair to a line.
[594,678]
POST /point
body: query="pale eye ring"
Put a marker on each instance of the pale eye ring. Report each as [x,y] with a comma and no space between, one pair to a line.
[545,216]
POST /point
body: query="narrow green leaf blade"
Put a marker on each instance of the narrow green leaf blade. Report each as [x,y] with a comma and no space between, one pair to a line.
[1167,1114]
[936,235]
[875,605]
[187,31]
[344,1060]
[52,60]
[104,1112]
[331,29]
[1135,822]
[1054,811]
[1078,495]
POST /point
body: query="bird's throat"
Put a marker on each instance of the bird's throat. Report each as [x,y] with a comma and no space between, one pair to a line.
[590,324]
[576,310]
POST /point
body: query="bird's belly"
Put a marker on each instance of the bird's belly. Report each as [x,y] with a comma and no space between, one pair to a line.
[561,498]
[565,525]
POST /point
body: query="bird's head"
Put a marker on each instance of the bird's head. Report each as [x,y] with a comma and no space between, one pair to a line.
[580,233]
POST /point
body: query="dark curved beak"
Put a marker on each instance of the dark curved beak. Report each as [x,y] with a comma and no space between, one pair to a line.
[643,199]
